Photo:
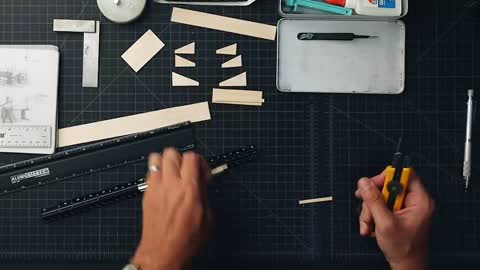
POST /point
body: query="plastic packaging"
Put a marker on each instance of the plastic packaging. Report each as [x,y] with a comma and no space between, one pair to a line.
[391,8]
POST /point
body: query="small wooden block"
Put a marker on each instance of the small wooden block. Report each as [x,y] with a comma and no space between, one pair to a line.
[229,50]
[258,104]
[235,62]
[144,49]
[239,80]
[238,97]
[180,80]
[318,200]
[182,62]
[187,49]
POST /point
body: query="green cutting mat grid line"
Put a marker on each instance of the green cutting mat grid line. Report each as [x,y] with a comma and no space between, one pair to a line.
[310,145]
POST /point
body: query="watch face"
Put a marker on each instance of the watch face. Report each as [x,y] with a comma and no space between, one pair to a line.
[130,267]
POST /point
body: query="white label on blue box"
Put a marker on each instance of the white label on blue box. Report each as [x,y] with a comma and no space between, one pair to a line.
[383,3]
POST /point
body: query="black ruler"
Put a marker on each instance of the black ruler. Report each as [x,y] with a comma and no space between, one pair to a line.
[93,158]
[132,189]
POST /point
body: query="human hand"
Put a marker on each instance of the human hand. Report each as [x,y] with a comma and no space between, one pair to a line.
[175,212]
[402,236]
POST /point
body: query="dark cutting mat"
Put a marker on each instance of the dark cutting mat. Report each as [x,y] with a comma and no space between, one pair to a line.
[311,145]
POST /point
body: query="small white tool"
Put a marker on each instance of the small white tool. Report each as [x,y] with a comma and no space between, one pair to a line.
[121,11]
[25,136]
[467,164]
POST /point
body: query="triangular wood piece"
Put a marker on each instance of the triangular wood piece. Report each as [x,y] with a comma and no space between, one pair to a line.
[229,50]
[239,80]
[187,49]
[235,62]
[180,80]
[182,62]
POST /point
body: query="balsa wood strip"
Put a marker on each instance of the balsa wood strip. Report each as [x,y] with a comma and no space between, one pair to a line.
[133,124]
[222,23]
[317,200]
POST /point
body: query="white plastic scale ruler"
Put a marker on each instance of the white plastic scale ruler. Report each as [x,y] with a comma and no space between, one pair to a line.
[25,136]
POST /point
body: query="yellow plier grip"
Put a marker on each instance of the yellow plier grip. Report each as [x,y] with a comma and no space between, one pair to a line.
[396,183]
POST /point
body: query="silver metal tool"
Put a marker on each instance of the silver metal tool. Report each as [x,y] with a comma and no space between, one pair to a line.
[205,3]
[82,26]
[91,55]
[121,11]
[15,136]
[467,164]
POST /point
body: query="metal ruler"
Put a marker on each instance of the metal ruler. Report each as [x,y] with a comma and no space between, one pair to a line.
[93,158]
[132,189]
[14,136]
[91,55]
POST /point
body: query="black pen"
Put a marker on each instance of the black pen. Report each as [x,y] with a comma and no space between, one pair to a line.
[332,36]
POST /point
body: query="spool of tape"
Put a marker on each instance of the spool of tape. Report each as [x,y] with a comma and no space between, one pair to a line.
[121,11]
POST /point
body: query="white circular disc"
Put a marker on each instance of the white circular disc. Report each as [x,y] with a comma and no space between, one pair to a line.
[121,11]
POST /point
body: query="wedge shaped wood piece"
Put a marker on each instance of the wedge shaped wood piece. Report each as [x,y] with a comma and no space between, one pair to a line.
[182,62]
[180,80]
[239,80]
[229,50]
[235,62]
[187,49]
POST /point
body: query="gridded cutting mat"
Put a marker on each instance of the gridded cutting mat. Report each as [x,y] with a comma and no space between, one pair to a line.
[310,145]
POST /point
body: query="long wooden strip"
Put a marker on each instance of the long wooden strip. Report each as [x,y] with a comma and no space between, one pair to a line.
[222,23]
[318,200]
[133,124]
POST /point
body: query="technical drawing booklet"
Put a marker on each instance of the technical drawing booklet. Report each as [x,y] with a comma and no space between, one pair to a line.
[29,89]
